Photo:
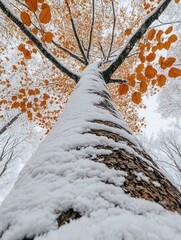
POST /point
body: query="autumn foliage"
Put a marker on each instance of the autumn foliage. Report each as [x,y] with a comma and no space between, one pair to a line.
[41,91]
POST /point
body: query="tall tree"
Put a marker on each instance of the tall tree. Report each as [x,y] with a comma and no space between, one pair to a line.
[91,167]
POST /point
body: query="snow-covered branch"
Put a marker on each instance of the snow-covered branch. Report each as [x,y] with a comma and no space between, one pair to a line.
[135,38]
[37,42]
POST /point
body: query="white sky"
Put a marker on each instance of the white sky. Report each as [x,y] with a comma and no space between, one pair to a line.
[153,119]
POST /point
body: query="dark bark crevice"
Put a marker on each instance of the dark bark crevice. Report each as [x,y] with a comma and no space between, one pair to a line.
[67,216]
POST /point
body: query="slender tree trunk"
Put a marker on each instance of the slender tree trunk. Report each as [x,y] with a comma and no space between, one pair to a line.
[90,161]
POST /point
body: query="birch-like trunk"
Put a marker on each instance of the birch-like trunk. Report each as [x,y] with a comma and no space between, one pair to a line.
[90,162]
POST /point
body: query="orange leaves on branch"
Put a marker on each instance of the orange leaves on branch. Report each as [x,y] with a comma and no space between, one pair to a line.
[131,80]
[161,80]
[174,72]
[136,97]
[45,14]
[25,17]
[15,105]
[150,72]
[123,88]
[166,63]
[32,4]
[46,96]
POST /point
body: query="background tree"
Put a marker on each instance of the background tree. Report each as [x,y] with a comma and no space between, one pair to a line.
[90,159]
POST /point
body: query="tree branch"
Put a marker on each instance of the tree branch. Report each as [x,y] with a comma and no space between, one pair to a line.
[3,129]
[116,80]
[76,34]
[113,30]
[69,52]
[134,39]
[91,30]
[37,42]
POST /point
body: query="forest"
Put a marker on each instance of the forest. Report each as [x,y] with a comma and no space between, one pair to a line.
[77,79]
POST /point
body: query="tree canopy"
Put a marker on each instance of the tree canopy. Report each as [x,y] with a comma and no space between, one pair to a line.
[59,38]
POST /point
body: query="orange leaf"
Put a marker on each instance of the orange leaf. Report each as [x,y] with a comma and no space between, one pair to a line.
[25,17]
[32,4]
[153,82]
[27,54]
[169,30]
[161,80]
[123,88]
[47,37]
[167,45]
[31,92]
[177,1]
[169,62]
[45,15]
[172,38]
[141,57]
[127,31]
[159,34]
[139,68]
[161,60]
[34,30]
[136,97]
[14,98]
[15,105]
[22,91]
[151,34]
[29,105]
[143,87]
[150,57]
[131,80]
[150,72]
[46,96]
[174,72]
[45,5]
[21,47]
[141,77]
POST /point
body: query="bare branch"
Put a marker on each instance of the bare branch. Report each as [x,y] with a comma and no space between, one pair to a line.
[167,23]
[3,129]
[113,30]
[91,30]
[134,39]
[103,54]
[76,34]
[37,42]
[69,52]
[116,80]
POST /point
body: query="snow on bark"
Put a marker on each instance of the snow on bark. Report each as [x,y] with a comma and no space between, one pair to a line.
[75,185]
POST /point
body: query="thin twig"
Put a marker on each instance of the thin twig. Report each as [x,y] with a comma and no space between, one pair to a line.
[91,30]
[69,52]
[113,30]
[76,34]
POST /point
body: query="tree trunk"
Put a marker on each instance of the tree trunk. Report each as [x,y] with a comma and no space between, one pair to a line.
[89,164]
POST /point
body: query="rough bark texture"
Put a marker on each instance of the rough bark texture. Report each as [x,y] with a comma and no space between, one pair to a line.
[166,194]
[91,124]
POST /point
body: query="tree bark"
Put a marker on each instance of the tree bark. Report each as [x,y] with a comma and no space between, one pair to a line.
[90,147]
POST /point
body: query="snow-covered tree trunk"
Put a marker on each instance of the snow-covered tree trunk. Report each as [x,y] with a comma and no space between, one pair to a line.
[92,169]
